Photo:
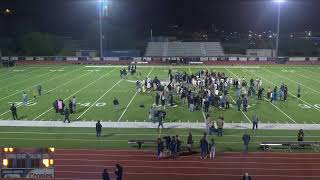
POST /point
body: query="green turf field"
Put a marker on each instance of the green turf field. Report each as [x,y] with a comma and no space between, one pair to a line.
[84,138]
[95,88]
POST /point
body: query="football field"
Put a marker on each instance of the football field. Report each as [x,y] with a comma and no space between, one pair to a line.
[96,86]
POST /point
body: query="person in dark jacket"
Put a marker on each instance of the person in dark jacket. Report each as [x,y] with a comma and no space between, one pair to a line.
[246,141]
[239,103]
[157,99]
[245,104]
[173,147]
[98,129]
[116,104]
[204,148]
[55,106]
[160,147]
[178,145]
[39,90]
[105,175]
[118,172]
[70,107]
[66,115]
[189,142]
[300,135]
[246,177]
[160,119]
[14,112]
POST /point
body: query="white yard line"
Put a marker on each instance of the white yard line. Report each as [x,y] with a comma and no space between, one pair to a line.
[275,105]
[190,70]
[309,78]
[234,100]
[76,92]
[125,110]
[292,81]
[318,109]
[281,111]
[12,72]
[31,100]
[302,69]
[26,79]
[99,99]
[40,83]
[132,100]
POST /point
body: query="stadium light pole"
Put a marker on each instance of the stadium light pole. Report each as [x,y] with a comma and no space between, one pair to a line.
[278,2]
[100,29]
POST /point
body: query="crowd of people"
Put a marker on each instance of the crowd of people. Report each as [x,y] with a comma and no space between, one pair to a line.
[60,107]
[118,172]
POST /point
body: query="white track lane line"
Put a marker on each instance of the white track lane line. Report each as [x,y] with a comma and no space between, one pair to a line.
[135,94]
[62,75]
[292,80]
[316,108]
[99,99]
[76,92]
[234,100]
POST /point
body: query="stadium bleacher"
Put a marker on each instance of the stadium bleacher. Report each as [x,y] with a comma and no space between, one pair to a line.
[184,49]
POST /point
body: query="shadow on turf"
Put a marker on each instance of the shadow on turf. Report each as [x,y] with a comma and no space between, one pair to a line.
[22,117]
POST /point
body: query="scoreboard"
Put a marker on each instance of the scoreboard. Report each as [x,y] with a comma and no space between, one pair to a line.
[27,163]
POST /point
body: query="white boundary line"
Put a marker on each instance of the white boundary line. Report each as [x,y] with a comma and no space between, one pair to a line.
[135,94]
[32,77]
[177,67]
[234,100]
[291,80]
[12,72]
[132,134]
[309,78]
[62,75]
[58,87]
[48,92]
[76,91]
[312,72]
[318,109]
[99,99]
[278,108]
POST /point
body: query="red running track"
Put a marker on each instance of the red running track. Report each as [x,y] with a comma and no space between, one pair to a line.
[143,165]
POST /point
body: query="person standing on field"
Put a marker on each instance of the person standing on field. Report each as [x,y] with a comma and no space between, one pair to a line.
[220,124]
[98,129]
[70,106]
[116,103]
[34,94]
[239,103]
[212,147]
[24,98]
[66,115]
[246,140]
[255,121]
[39,90]
[14,112]
[74,104]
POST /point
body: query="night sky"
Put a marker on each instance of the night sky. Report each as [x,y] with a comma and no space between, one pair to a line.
[67,17]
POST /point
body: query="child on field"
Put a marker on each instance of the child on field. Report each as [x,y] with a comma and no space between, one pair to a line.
[34,94]
[212,149]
